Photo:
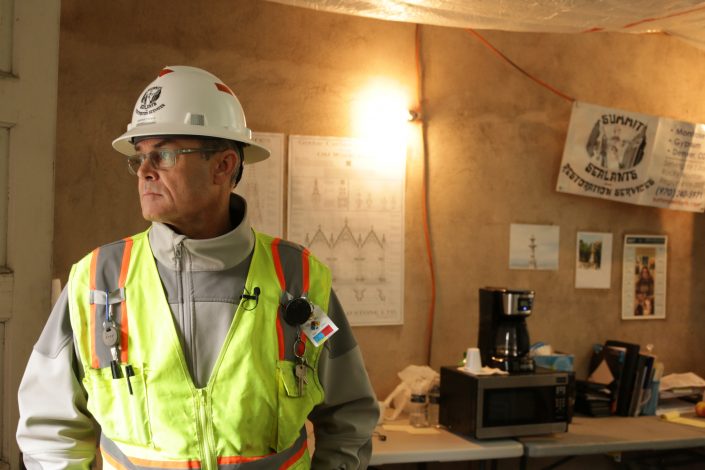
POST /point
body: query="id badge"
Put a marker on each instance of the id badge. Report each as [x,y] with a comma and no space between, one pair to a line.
[319,327]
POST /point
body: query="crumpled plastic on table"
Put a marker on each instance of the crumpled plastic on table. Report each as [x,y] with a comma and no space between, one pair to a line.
[414,379]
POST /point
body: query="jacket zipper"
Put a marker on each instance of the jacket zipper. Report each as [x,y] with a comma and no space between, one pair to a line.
[179,289]
[209,460]
[185,300]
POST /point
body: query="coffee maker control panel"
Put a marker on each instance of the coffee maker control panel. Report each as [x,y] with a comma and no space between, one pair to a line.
[517,302]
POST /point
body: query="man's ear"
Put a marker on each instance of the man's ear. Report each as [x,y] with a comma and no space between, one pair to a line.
[226,165]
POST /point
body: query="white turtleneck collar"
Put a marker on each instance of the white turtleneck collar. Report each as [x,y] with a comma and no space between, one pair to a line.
[212,254]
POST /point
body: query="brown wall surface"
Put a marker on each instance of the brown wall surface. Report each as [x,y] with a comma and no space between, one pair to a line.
[495,141]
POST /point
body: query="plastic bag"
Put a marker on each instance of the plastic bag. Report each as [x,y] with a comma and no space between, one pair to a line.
[414,379]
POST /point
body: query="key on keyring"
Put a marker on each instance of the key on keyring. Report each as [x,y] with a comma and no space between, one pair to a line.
[300,372]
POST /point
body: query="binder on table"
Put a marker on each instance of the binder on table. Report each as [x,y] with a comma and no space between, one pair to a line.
[647,389]
[628,377]
[642,383]
[606,366]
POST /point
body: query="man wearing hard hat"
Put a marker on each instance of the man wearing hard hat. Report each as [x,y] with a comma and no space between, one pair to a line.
[200,343]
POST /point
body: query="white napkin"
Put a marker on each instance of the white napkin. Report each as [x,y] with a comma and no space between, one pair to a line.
[484,371]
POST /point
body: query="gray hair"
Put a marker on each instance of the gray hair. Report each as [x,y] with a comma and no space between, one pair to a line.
[225,144]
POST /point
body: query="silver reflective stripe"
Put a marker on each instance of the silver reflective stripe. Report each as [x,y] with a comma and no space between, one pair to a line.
[102,298]
[114,457]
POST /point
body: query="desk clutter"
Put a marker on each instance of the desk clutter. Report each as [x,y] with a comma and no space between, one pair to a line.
[527,413]
[506,388]
[681,395]
[626,380]
[623,380]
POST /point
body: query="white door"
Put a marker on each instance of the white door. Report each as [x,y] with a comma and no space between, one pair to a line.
[29,58]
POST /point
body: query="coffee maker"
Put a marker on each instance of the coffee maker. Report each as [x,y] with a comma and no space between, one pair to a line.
[503,338]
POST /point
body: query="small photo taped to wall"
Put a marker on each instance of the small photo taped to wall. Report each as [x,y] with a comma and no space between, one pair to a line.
[644,277]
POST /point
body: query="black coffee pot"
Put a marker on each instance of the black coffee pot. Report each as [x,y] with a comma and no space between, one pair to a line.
[503,337]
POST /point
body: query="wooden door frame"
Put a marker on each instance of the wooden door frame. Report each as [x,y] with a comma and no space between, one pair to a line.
[28,97]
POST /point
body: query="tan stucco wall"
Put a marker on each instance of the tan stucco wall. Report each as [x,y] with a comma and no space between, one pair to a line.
[494,138]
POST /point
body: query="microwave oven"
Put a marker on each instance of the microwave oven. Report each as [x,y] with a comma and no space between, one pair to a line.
[500,406]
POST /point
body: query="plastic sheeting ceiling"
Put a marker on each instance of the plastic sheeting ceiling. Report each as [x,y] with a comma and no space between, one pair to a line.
[681,18]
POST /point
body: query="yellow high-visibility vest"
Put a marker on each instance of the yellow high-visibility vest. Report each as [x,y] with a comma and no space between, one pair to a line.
[152,416]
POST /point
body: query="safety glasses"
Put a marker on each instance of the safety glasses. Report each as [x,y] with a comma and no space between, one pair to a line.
[162,159]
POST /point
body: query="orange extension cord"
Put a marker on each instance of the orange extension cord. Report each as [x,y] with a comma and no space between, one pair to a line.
[424,194]
[487,44]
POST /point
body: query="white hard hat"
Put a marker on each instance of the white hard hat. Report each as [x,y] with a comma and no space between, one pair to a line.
[191,102]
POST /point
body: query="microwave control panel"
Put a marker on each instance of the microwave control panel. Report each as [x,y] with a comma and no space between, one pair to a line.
[561,401]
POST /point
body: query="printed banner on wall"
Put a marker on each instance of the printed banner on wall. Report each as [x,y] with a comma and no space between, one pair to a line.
[634,158]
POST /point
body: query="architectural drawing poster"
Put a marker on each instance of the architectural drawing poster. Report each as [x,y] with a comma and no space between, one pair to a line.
[634,158]
[644,277]
[262,186]
[346,205]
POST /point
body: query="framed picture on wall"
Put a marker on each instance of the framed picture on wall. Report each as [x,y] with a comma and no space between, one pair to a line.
[644,277]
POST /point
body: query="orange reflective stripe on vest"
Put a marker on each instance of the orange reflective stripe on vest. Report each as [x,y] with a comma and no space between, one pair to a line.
[123,305]
[95,363]
[294,282]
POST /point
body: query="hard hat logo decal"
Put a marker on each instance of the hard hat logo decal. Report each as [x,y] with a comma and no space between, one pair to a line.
[149,101]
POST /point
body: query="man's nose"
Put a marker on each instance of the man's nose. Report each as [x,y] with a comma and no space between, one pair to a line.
[147,170]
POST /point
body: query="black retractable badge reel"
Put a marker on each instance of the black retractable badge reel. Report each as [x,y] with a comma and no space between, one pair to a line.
[297,311]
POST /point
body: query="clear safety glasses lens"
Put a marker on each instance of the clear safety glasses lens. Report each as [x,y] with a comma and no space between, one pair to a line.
[161,159]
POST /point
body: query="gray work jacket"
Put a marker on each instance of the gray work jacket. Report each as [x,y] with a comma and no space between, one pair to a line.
[203,281]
